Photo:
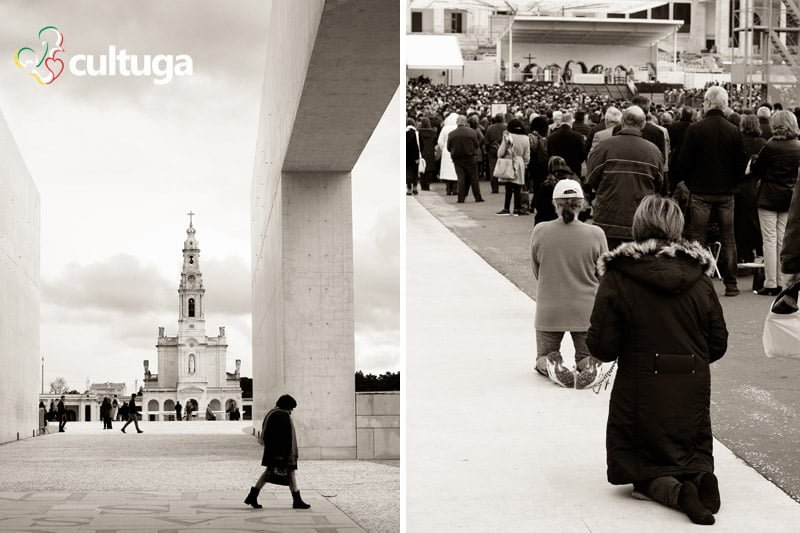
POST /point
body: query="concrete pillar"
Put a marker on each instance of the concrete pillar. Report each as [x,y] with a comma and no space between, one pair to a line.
[20,357]
[723,22]
[697,33]
[331,69]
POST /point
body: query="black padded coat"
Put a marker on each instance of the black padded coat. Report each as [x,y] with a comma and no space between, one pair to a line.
[277,437]
[656,310]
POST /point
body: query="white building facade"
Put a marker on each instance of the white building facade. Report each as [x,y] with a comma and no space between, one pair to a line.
[191,365]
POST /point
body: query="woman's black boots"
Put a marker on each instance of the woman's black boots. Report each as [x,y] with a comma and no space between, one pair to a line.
[298,502]
[252,498]
[689,503]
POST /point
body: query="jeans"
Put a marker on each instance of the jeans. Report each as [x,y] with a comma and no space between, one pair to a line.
[550,341]
[512,189]
[467,177]
[701,208]
[773,226]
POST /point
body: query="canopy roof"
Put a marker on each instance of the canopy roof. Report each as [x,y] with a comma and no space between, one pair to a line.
[433,52]
[591,31]
[541,7]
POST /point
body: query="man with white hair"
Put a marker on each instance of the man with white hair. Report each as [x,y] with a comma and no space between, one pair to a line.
[763,115]
[566,143]
[623,169]
[712,161]
[613,117]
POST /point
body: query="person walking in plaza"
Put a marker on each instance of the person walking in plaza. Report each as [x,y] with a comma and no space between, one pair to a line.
[51,412]
[463,145]
[492,140]
[115,408]
[656,312]
[105,413]
[776,169]
[563,256]
[42,419]
[712,160]
[280,452]
[515,142]
[62,415]
[447,171]
[132,415]
[178,409]
[623,169]
[412,157]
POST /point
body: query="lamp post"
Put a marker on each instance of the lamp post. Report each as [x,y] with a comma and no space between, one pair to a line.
[42,374]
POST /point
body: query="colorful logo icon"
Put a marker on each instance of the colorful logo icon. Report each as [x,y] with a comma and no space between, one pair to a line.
[43,64]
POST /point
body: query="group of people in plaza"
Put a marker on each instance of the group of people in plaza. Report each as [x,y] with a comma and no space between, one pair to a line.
[634,287]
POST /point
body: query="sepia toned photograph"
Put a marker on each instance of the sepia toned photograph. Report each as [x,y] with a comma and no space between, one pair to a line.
[200,266]
[603,248]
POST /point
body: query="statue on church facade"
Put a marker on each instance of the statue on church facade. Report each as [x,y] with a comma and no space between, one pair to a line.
[191,364]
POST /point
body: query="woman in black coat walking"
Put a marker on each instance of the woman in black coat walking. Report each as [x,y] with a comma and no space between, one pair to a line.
[132,416]
[280,452]
[657,310]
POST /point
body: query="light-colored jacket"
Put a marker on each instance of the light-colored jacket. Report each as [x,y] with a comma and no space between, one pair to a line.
[447,170]
[521,150]
[601,136]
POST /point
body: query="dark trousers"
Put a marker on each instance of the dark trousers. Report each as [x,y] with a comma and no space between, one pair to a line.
[107,422]
[512,189]
[467,177]
[701,208]
[665,489]
[177,414]
[495,184]
[62,422]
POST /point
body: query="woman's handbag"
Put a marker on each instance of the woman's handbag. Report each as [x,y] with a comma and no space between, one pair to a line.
[504,168]
[782,326]
[277,476]
[421,165]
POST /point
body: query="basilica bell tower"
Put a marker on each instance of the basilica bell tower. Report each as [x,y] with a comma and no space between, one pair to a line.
[191,313]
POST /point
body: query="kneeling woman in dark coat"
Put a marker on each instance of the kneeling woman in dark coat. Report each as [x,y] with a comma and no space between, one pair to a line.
[280,452]
[657,311]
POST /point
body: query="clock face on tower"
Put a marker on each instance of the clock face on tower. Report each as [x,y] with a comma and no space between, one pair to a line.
[191,278]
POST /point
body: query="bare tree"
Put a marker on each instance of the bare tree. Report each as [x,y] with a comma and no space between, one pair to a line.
[59,386]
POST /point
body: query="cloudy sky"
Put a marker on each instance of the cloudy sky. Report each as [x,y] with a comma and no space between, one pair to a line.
[119,161]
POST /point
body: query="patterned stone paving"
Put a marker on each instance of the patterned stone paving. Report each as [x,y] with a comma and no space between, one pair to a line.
[168,512]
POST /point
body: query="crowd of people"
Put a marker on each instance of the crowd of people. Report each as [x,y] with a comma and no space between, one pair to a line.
[660,184]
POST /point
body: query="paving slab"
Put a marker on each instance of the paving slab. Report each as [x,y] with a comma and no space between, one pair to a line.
[181,476]
[492,446]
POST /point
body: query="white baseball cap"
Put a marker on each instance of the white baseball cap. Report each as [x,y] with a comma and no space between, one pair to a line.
[567,189]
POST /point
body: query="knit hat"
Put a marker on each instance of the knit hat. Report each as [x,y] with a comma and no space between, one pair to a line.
[567,189]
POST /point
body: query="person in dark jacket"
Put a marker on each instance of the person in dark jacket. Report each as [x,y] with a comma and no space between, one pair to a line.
[105,413]
[657,313]
[790,253]
[178,409]
[650,132]
[746,229]
[763,115]
[427,141]
[280,451]
[62,415]
[412,157]
[776,168]
[462,143]
[492,140]
[567,144]
[713,160]
[543,198]
[132,415]
[677,132]
[623,169]
[580,126]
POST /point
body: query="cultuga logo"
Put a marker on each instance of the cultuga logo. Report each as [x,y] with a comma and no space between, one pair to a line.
[45,67]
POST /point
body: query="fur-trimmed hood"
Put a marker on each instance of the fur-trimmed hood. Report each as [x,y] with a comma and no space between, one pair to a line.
[671,266]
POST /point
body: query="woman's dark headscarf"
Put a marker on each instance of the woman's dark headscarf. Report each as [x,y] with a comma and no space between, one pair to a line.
[539,125]
[515,126]
[286,402]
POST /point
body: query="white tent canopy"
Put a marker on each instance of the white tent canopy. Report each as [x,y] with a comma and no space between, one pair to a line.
[433,52]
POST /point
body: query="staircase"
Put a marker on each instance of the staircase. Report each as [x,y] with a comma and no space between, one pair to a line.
[782,53]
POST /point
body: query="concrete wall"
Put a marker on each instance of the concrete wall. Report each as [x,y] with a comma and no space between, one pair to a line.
[378,425]
[331,69]
[19,293]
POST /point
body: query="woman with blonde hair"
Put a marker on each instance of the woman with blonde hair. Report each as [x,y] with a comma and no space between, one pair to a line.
[657,313]
[776,169]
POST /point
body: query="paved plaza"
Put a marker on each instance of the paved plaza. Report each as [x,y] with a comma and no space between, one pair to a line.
[491,445]
[181,476]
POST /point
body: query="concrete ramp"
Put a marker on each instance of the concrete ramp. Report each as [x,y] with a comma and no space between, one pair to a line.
[491,446]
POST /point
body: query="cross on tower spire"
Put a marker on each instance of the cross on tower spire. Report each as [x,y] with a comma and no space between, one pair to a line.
[190,218]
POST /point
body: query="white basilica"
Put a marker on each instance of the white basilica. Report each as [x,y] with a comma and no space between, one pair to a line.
[191,365]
